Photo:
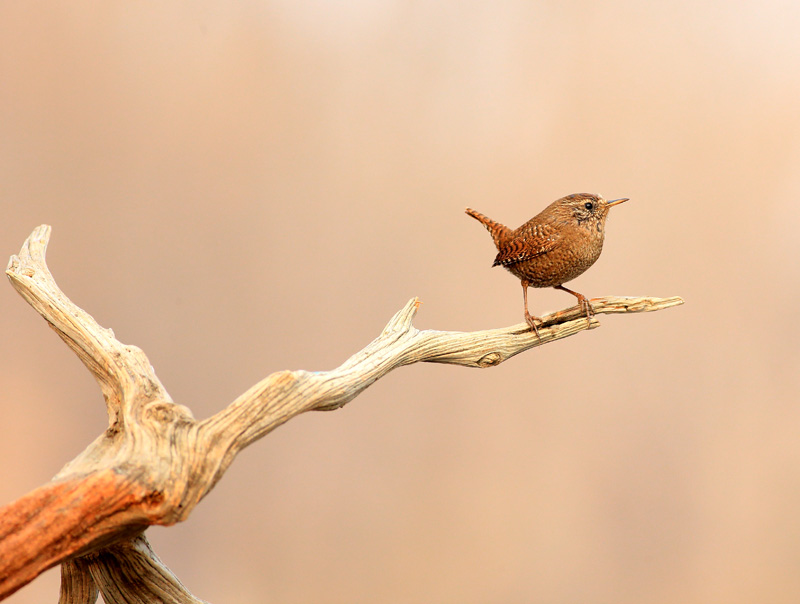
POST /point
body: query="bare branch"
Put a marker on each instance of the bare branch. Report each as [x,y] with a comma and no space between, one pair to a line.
[77,585]
[64,518]
[155,462]
[122,371]
[285,394]
[129,572]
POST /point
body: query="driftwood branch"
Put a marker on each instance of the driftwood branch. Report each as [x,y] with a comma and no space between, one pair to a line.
[155,462]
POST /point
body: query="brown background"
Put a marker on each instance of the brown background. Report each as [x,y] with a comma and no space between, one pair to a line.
[243,187]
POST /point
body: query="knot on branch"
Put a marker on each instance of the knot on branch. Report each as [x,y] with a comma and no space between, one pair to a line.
[166,412]
[490,360]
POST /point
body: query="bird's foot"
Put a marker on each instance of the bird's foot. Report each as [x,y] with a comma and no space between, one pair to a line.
[531,320]
[583,302]
[585,306]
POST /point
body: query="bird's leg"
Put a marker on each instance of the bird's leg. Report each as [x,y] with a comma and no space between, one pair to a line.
[583,302]
[528,318]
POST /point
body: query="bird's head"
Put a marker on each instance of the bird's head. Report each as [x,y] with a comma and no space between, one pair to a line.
[585,208]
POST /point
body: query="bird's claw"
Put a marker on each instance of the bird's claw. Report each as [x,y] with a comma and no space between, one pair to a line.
[586,307]
[531,321]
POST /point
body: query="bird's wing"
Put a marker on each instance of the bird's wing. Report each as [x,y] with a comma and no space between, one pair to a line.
[528,242]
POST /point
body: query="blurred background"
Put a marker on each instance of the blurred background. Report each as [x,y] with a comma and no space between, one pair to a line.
[244,187]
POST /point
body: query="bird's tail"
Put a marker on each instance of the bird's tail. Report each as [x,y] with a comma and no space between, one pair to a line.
[500,232]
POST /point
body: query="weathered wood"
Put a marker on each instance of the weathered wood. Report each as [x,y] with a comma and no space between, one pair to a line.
[129,571]
[64,518]
[77,585]
[155,462]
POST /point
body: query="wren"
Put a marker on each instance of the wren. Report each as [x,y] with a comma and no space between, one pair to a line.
[553,247]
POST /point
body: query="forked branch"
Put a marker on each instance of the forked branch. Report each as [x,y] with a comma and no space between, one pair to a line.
[155,462]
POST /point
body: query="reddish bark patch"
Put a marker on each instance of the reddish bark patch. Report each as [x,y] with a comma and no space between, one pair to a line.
[66,518]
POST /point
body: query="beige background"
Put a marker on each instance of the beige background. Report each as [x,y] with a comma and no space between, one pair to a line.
[243,187]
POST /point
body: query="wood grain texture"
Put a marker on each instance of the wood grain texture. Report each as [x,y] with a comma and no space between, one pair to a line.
[77,585]
[64,518]
[155,462]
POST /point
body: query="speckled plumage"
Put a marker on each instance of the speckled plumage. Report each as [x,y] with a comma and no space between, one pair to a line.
[553,247]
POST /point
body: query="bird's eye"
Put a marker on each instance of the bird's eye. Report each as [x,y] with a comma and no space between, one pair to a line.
[588,205]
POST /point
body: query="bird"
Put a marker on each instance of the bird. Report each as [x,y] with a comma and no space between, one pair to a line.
[554,247]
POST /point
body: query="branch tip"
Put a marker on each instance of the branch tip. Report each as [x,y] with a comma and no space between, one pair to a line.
[33,252]
[36,244]
[611,304]
[401,321]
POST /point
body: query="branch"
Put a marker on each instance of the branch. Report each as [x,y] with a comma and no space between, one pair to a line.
[77,585]
[156,462]
[129,572]
[124,373]
[285,394]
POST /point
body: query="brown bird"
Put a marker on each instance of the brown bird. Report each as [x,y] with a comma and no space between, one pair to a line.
[553,247]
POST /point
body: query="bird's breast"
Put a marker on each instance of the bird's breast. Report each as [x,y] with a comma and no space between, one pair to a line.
[578,248]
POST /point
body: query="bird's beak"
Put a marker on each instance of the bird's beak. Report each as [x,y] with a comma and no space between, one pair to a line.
[617,201]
